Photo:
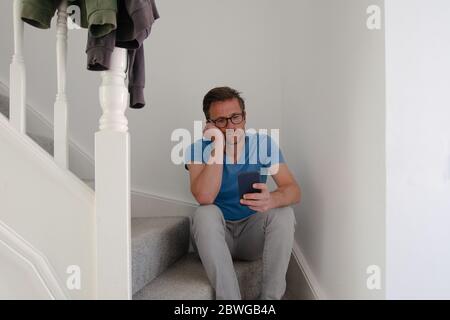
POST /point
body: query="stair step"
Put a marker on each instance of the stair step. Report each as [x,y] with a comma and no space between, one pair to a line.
[45,142]
[4,105]
[157,243]
[90,182]
[187,280]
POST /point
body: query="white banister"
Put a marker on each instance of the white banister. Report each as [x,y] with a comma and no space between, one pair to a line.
[112,184]
[17,75]
[61,152]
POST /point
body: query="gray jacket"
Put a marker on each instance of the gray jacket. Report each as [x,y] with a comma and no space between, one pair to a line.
[134,22]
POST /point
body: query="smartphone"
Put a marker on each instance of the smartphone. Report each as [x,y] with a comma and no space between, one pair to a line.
[246,181]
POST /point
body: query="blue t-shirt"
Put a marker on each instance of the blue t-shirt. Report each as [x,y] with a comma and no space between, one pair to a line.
[258,157]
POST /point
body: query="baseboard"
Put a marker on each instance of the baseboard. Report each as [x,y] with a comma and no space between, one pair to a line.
[145,205]
[305,285]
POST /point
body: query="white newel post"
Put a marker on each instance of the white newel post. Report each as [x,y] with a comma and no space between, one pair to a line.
[112,184]
[61,106]
[17,76]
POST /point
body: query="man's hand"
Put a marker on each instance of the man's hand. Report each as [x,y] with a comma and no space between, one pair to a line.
[211,132]
[260,202]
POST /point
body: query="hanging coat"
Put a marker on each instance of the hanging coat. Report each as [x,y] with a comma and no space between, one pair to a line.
[134,23]
[100,17]
[111,23]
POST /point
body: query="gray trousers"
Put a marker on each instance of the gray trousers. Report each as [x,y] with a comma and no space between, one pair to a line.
[217,241]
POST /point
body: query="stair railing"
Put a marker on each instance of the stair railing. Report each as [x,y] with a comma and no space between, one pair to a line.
[112,152]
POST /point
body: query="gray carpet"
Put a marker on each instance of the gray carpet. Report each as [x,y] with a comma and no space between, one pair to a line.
[163,268]
[157,243]
[4,105]
[187,280]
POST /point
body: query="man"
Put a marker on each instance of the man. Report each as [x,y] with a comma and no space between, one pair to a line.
[226,227]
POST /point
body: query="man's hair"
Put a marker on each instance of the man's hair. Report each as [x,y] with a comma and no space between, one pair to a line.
[221,94]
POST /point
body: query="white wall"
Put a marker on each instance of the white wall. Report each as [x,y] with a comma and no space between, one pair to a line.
[195,46]
[418,149]
[333,121]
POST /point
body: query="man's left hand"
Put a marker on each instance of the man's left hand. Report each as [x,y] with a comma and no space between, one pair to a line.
[260,202]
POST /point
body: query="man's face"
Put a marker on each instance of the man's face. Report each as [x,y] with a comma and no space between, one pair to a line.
[226,109]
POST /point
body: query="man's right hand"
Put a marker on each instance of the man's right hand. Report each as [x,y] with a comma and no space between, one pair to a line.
[213,133]
[206,178]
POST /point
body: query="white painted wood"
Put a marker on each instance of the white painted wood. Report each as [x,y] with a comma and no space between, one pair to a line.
[25,272]
[307,273]
[61,152]
[112,185]
[114,95]
[58,214]
[17,74]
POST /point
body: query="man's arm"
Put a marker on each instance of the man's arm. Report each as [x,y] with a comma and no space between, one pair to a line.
[205,181]
[287,193]
[206,178]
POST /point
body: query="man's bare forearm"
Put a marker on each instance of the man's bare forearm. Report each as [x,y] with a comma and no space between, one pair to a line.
[285,195]
[207,185]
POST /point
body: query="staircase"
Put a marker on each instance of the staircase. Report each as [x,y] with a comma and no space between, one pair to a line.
[46,143]
[150,256]
[162,266]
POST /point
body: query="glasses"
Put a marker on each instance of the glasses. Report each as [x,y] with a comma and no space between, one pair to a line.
[222,122]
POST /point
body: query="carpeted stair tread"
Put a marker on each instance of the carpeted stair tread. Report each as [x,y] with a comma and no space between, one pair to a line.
[4,105]
[157,243]
[45,142]
[187,280]
[90,182]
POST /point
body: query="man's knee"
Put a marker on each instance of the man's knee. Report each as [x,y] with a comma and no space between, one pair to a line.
[283,216]
[206,216]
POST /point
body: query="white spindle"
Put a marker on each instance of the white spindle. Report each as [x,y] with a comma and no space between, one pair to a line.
[17,75]
[112,184]
[61,106]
